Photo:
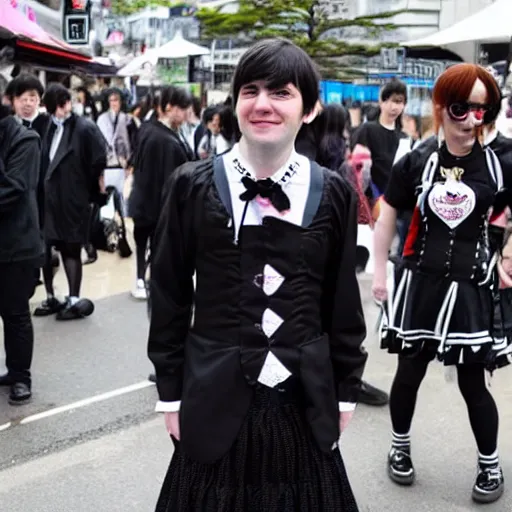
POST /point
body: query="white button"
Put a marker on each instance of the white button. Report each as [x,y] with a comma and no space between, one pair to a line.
[273,371]
[270,322]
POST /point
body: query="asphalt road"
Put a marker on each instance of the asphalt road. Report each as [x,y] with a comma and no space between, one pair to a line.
[106,451]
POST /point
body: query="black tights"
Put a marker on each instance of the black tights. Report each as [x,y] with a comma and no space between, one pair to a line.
[483,413]
[71,259]
[143,235]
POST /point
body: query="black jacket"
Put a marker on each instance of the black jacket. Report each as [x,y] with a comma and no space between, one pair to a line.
[20,153]
[71,179]
[159,153]
[213,366]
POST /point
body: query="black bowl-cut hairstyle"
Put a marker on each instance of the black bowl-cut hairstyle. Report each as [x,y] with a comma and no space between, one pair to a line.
[175,97]
[278,62]
[25,82]
[56,95]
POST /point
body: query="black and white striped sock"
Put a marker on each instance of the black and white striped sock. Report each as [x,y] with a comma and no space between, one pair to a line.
[486,461]
[401,441]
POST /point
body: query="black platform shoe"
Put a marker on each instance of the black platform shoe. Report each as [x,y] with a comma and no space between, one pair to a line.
[49,307]
[400,468]
[20,394]
[489,485]
[81,309]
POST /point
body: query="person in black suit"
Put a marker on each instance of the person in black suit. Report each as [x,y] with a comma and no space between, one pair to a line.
[25,93]
[73,158]
[160,151]
[20,251]
[256,321]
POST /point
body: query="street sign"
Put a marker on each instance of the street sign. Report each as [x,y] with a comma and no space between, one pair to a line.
[76,21]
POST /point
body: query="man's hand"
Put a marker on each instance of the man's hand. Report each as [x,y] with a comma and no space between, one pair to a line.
[101,183]
[172,424]
[345,418]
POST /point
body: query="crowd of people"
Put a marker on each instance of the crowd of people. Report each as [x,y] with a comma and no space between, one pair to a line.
[247,216]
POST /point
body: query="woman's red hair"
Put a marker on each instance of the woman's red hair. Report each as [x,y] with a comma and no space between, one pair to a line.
[455,85]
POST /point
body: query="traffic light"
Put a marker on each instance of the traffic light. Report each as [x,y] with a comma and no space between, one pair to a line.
[76,21]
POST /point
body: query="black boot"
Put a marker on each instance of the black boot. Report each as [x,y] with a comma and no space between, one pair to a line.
[20,394]
[489,485]
[92,254]
[370,395]
[400,468]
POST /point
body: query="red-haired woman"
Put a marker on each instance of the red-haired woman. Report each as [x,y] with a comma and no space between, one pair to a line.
[442,304]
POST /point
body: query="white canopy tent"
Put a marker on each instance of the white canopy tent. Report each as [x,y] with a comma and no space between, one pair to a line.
[177,48]
[492,24]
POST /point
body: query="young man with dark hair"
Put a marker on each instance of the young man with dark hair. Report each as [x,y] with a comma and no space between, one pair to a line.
[160,151]
[74,156]
[257,387]
[383,136]
[25,93]
[20,251]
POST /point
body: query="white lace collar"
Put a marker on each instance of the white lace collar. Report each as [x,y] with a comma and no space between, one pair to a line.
[236,162]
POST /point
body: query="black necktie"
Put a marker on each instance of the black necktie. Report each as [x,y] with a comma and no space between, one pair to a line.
[26,123]
[268,189]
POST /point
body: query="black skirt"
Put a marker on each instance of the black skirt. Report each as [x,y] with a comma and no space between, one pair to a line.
[435,316]
[273,466]
[503,327]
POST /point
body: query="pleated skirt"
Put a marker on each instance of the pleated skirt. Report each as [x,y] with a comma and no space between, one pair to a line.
[452,321]
[273,466]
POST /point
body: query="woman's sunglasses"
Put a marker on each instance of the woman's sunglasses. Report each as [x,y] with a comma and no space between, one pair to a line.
[460,111]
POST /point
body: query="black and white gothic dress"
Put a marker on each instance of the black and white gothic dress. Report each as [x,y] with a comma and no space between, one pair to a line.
[279,290]
[443,302]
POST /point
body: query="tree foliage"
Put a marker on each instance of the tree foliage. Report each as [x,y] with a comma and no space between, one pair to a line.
[308,23]
[127,7]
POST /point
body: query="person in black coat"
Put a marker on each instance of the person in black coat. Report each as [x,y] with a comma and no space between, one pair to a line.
[258,247]
[73,158]
[20,251]
[160,151]
[25,92]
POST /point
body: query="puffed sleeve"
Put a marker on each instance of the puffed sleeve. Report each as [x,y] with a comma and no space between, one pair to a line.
[342,311]
[171,287]
[401,190]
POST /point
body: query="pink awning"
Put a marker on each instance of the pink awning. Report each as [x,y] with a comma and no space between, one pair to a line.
[14,24]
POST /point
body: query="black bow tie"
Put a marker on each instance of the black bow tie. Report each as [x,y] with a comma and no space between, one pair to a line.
[26,123]
[268,189]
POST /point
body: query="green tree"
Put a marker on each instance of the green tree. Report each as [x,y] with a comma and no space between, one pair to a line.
[127,7]
[306,22]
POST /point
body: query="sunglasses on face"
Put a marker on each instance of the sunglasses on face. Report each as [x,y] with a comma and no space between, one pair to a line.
[460,111]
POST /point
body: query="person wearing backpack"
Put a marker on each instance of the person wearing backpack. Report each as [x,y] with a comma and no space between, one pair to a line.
[21,249]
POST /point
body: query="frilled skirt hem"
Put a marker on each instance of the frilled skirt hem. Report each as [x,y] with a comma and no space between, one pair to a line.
[273,466]
[435,317]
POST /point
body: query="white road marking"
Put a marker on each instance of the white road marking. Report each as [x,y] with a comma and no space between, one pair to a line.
[5,426]
[86,401]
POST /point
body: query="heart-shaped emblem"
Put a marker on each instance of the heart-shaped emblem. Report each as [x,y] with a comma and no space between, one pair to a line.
[452,201]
